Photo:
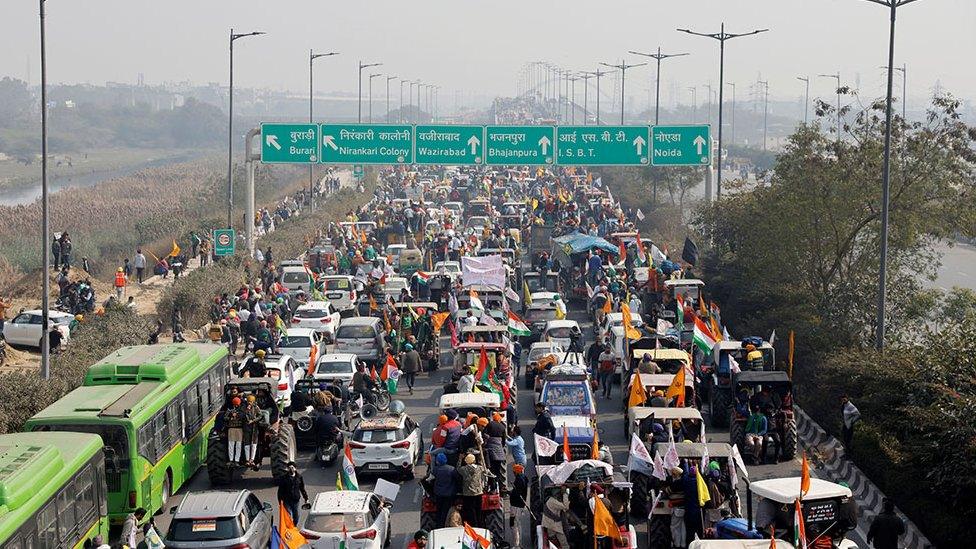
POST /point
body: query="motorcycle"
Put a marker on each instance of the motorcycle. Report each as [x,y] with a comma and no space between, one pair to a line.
[327,452]
[381,399]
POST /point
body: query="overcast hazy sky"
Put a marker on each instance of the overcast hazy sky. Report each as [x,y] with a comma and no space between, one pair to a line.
[479,45]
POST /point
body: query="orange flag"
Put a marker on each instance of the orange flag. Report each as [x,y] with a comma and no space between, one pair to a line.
[603,523]
[701,306]
[804,476]
[623,251]
[566,452]
[638,396]
[313,354]
[677,388]
[372,372]
[595,449]
[437,321]
[291,537]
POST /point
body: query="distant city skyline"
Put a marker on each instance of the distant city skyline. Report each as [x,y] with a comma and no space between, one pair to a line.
[479,47]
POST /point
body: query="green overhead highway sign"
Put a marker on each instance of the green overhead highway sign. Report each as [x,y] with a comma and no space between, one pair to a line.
[453,145]
[601,145]
[224,242]
[520,145]
[681,145]
[367,144]
[290,143]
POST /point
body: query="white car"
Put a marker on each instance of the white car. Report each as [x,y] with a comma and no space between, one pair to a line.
[541,349]
[341,292]
[387,444]
[393,254]
[450,538]
[25,328]
[294,276]
[339,366]
[451,269]
[393,286]
[361,519]
[284,370]
[559,332]
[320,316]
[455,208]
[611,320]
[298,343]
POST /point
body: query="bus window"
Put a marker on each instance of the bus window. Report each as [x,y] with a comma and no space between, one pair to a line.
[47,526]
[203,388]
[174,417]
[147,442]
[67,520]
[193,417]
[84,487]
[100,488]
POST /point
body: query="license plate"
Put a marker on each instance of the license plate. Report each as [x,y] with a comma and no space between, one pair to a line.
[335,295]
[378,466]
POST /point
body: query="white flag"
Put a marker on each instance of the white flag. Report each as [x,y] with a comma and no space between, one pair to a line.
[610,197]
[657,255]
[488,320]
[663,326]
[452,304]
[654,502]
[772,337]
[640,215]
[545,446]
[705,458]
[638,459]
[589,290]
[737,458]
[734,365]
[513,295]
[671,459]
[658,471]
[732,476]
[153,541]
[725,334]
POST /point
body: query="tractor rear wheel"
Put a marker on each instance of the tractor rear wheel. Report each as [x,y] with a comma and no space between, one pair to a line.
[638,496]
[495,523]
[659,532]
[790,439]
[283,450]
[737,435]
[720,401]
[428,521]
[219,468]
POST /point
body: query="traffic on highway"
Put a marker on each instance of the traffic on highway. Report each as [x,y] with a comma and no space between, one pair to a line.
[476,357]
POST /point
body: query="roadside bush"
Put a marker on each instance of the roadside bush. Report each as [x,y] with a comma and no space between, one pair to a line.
[23,394]
[194,292]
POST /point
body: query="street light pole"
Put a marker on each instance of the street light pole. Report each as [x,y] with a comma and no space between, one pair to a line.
[400,111]
[623,75]
[765,84]
[722,37]
[45,216]
[694,103]
[230,126]
[359,117]
[658,57]
[312,56]
[836,77]
[806,102]
[371,77]
[572,103]
[893,6]
[388,78]
[586,87]
[732,138]
[904,90]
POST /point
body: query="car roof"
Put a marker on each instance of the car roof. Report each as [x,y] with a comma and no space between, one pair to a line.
[565,323]
[761,376]
[382,422]
[787,490]
[544,345]
[570,422]
[293,332]
[663,354]
[340,501]
[658,380]
[51,313]
[338,357]
[694,449]
[684,282]
[360,321]
[314,305]
[455,400]
[212,503]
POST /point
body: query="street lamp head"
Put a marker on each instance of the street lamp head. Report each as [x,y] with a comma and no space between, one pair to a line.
[235,36]
[330,54]
[374,75]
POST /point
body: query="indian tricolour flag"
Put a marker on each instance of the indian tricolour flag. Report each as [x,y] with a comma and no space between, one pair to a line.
[517,326]
[471,540]
[423,277]
[476,301]
[702,336]
[347,476]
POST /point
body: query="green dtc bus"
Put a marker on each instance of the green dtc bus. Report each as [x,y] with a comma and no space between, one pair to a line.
[52,490]
[153,406]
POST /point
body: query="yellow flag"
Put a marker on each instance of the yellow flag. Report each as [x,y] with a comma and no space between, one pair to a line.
[608,306]
[703,496]
[631,332]
[528,294]
[176,249]
[595,448]
[372,304]
[603,523]
[637,393]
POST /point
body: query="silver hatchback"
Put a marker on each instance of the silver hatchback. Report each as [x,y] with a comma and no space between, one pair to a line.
[220,519]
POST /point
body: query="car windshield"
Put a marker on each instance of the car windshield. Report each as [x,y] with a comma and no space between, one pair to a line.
[205,529]
[449,267]
[274,373]
[311,313]
[334,368]
[562,332]
[538,352]
[333,522]
[354,332]
[295,342]
[565,395]
[375,436]
[540,315]
[294,277]
[337,284]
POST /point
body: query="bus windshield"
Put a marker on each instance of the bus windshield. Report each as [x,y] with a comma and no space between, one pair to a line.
[113,436]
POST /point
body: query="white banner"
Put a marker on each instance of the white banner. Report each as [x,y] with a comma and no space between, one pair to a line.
[545,446]
[487,271]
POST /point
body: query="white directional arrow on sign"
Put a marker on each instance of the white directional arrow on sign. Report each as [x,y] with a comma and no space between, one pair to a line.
[473,143]
[272,141]
[544,143]
[329,141]
[699,142]
[639,143]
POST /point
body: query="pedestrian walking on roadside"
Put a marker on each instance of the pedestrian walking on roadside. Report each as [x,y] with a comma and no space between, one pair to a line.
[139,262]
[605,372]
[66,250]
[886,528]
[851,416]
[409,365]
[56,252]
[119,283]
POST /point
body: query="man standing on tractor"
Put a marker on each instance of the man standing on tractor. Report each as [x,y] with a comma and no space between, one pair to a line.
[756,428]
[252,415]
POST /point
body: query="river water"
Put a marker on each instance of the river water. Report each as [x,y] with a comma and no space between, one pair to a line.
[26,194]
